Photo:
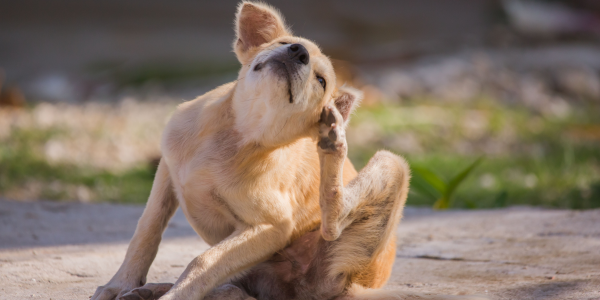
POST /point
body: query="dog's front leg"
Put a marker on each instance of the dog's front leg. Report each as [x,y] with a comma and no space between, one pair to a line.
[144,244]
[247,246]
[332,150]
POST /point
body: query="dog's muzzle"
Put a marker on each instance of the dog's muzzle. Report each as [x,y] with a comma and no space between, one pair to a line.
[298,54]
[287,63]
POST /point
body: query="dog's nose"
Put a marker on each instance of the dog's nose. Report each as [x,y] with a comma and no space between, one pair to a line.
[298,54]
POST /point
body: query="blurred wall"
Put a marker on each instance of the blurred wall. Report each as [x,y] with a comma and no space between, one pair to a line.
[42,36]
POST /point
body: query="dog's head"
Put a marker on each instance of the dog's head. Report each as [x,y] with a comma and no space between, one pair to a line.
[285,81]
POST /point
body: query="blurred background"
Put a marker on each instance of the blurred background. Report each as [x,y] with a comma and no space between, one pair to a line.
[494,103]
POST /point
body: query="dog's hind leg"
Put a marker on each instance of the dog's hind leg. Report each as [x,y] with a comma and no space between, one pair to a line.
[367,210]
[360,219]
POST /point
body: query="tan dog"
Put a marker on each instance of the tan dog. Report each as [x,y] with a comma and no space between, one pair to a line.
[243,163]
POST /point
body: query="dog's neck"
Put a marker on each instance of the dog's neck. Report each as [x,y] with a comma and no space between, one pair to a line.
[261,125]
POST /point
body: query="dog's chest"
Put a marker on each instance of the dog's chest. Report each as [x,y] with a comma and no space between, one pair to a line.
[222,186]
[217,198]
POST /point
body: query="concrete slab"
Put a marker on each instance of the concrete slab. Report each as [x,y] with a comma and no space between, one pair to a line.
[64,250]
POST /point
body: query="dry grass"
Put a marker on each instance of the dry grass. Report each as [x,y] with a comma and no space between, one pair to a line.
[82,152]
[104,136]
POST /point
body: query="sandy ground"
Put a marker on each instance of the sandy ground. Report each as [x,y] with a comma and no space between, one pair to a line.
[63,251]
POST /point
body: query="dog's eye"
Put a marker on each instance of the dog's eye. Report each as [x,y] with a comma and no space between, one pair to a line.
[322,81]
[283,43]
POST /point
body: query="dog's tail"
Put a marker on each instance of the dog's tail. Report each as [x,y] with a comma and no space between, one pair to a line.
[357,292]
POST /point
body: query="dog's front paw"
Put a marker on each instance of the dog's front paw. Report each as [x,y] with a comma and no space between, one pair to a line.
[150,291]
[332,137]
[114,289]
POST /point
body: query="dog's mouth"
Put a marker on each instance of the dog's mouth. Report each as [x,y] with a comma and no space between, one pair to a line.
[281,69]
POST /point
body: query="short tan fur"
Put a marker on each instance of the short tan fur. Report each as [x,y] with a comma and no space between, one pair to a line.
[258,165]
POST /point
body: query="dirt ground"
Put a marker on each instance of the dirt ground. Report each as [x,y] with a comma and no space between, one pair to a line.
[64,250]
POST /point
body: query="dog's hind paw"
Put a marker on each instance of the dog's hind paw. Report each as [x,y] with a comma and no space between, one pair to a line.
[332,137]
[150,291]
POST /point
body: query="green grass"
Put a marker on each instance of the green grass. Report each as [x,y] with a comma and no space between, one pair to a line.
[427,183]
[530,158]
[544,161]
[554,184]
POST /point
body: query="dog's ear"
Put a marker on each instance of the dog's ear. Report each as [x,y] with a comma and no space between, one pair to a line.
[256,24]
[346,100]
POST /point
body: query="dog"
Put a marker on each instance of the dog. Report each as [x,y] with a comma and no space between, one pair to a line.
[259,167]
